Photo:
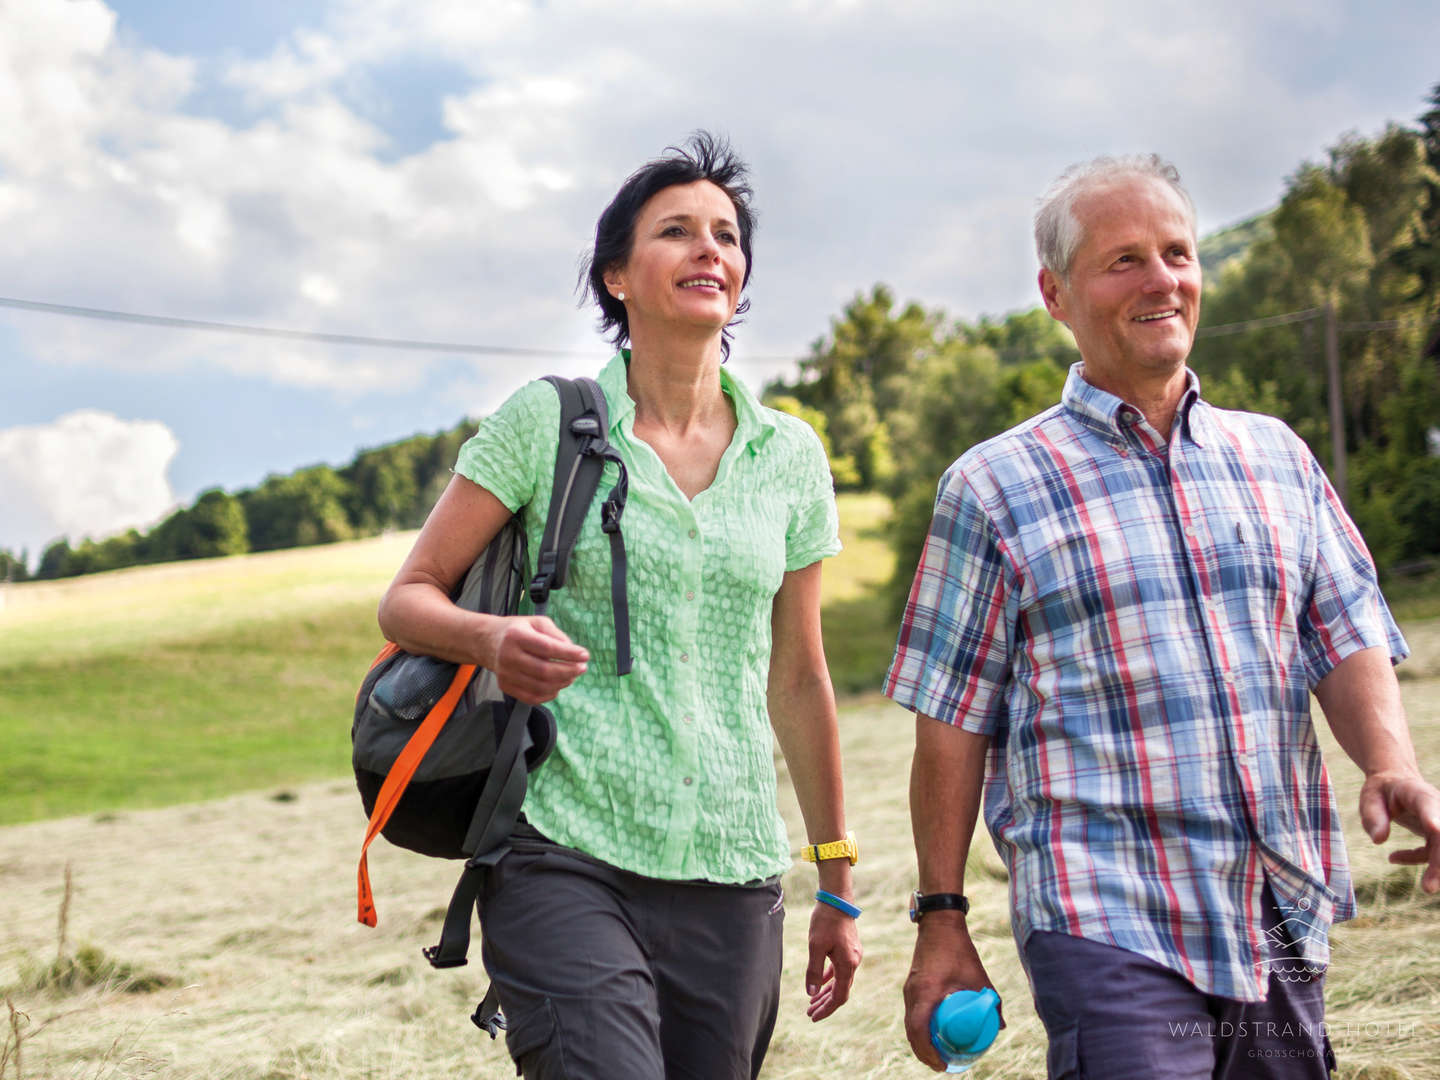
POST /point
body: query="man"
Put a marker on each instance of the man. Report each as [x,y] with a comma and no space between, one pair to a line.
[1118,618]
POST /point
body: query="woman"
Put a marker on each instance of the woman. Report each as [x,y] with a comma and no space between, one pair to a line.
[634,929]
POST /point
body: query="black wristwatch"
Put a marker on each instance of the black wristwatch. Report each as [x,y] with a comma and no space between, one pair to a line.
[920,904]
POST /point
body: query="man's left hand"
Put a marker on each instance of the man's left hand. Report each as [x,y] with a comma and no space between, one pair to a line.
[1407,799]
[834,937]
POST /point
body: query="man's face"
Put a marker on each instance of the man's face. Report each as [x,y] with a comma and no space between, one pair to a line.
[1132,296]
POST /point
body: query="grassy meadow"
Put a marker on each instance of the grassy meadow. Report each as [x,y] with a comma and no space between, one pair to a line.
[180,832]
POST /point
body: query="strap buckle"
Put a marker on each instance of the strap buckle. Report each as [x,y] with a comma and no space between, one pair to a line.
[544,578]
[432,953]
[610,516]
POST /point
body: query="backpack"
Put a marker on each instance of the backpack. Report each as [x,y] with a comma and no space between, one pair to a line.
[440,755]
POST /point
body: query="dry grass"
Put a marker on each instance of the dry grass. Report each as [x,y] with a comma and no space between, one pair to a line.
[217,941]
[247,905]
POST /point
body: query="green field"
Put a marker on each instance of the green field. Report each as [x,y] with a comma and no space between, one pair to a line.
[160,685]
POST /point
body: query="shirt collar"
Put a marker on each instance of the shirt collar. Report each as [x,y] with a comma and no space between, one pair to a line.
[754,422]
[1109,416]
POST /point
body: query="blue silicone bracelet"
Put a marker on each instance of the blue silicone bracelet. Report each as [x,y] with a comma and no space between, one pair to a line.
[838,904]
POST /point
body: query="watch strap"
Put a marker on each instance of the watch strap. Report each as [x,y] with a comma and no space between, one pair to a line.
[922,904]
[835,849]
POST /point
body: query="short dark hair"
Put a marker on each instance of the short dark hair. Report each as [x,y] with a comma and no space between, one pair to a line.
[703,157]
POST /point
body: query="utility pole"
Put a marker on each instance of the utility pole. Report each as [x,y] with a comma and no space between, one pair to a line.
[1337,413]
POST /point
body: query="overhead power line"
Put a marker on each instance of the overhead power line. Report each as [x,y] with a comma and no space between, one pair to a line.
[1257,324]
[174,323]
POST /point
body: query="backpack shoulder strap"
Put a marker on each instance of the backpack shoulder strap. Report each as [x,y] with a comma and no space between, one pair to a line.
[580,457]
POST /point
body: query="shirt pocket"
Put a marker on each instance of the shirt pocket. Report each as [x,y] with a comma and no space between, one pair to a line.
[1262,563]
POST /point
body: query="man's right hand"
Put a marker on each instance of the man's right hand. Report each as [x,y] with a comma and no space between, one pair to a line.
[945,961]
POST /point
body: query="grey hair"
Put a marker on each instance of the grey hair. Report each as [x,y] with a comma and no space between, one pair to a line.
[1058,232]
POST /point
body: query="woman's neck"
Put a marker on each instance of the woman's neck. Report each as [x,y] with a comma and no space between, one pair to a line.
[676,384]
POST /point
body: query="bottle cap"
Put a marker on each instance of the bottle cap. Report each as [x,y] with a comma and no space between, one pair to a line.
[965,1024]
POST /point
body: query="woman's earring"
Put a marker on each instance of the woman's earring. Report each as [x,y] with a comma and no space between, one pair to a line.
[620,296]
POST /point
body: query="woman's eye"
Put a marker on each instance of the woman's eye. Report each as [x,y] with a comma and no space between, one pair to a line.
[672,230]
[726,237]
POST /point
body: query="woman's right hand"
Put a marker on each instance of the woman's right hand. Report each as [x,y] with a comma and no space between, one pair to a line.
[534,660]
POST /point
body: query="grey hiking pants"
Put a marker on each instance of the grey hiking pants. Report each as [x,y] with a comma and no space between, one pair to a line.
[603,973]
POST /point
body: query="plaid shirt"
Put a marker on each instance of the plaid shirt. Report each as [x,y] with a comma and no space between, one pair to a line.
[1138,627]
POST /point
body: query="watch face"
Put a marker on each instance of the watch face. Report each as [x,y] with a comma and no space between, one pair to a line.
[915,906]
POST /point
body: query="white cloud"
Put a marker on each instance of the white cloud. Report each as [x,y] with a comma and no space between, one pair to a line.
[900,142]
[89,473]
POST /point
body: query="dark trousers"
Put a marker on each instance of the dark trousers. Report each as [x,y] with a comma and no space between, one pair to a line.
[602,973]
[1112,1014]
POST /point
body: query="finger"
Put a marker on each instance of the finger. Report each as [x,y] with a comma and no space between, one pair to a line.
[920,1045]
[844,979]
[1375,813]
[557,643]
[543,669]
[815,973]
[821,1007]
[1431,881]
[1410,856]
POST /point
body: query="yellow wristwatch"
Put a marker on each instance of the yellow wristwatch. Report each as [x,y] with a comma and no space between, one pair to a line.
[836,849]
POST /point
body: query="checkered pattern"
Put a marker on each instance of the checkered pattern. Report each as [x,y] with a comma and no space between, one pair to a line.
[1138,626]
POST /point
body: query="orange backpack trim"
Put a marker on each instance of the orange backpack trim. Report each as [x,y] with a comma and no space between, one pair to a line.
[399,775]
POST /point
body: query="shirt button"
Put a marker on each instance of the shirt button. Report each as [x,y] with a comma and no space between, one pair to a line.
[689,780]
[684,657]
[689,594]
[693,534]
[689,719]
[1189,530]
[1230,678]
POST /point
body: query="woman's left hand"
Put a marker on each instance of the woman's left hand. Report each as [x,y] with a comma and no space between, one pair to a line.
[834,955]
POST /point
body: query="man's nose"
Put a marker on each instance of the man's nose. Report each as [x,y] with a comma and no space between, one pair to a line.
[1160,277]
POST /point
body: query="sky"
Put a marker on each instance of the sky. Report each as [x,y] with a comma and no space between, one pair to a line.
[432,170]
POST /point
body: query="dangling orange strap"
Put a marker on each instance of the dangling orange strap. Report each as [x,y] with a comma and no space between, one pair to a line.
[399,777]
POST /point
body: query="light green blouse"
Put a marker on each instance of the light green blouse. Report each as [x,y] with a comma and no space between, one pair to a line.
[668,771]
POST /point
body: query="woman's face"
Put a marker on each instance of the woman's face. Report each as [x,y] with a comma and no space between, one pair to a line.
[685,268]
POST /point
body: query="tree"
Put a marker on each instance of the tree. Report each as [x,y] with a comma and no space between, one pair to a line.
[13,567]
[214,525]
[307,507]
[856,378]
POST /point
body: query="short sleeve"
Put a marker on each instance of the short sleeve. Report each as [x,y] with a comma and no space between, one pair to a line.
[813,531]
[1345,611]
[514,446]
[953,655]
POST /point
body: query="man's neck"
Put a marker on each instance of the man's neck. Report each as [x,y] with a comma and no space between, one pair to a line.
[1157,395]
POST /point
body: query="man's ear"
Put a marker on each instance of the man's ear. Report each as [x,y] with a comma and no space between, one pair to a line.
[1052,291]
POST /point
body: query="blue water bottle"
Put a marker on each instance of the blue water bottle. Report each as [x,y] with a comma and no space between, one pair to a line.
[963,1026]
